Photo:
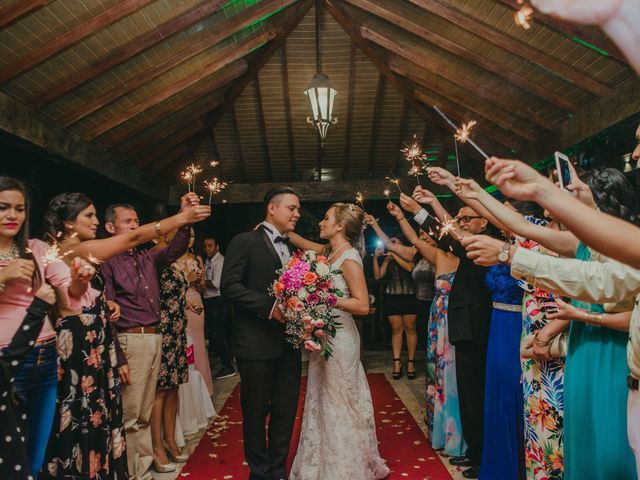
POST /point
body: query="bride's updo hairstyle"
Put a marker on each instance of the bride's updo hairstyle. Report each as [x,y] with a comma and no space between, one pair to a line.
[63,207]
[351,217]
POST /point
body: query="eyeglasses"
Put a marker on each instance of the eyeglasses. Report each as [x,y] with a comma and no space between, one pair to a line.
[467,218]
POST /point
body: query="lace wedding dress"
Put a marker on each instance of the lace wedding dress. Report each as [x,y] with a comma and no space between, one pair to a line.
[338,437]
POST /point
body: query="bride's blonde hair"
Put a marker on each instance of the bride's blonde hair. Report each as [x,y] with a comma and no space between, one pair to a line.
[351,217]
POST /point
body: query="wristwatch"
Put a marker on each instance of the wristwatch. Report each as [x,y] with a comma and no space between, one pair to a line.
[503,256]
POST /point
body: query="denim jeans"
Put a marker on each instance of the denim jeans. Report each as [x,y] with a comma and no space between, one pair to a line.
[37,385]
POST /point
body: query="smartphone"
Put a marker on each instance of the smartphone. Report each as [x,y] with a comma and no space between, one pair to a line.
[563,170]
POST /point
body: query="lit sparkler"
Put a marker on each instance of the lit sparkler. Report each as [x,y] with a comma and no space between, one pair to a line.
[386,193]
[456,128]
[524,16]
[413,152]
[214,163]
[395,181]
[447,227]
[462,134]
[93,260]
[189,176]
[215,186]
[53,255]
[360,200]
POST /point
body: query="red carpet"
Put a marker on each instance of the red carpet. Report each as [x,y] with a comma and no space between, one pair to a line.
[219,455]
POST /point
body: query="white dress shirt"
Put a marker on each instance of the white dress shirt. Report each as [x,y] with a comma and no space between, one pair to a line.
[281,248]
[213,273]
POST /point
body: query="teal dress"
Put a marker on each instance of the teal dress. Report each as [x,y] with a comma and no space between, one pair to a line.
[595,404]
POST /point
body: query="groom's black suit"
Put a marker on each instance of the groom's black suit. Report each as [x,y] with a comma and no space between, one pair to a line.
[269,366]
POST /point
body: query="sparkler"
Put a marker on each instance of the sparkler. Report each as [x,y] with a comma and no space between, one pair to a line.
[215,186]
[395,181]
[360,200]
[413,152]
[524,16]
[386,193]
[416,171]
[462,134]
[53,255]
[448,228]
[214,163]
[189,176]
[456,128]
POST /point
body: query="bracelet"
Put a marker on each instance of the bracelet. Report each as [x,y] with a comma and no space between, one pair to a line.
[157,227]
[540,343]
[401,218]
[594,319]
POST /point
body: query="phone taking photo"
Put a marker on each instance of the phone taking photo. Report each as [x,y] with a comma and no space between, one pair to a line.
[563,170]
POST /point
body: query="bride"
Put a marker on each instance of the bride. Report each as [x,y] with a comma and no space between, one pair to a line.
[338,437]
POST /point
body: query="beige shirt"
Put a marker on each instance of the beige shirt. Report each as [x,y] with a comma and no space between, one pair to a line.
[593,282]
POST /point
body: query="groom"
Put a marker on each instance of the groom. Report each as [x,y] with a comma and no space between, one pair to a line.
[269,366]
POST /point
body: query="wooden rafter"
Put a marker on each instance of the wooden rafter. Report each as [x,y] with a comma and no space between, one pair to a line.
[510,44]
[263,129]
[19,9]
[287,110]
[351,94]
[220,78]
[67,40]
[572,31]
[176,138]
[239,150]
[411,51]
[377,111]
[438,69]
[221,58]
[160,163]
[455,112]
[127,51]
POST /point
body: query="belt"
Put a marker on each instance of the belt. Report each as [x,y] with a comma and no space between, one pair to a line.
[152,329]
[633,383]
[507,307]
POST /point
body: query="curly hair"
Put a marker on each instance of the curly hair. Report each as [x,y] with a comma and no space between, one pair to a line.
[614,194]
[63,207]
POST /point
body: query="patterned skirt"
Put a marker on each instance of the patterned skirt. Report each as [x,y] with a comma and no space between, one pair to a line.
[174,369]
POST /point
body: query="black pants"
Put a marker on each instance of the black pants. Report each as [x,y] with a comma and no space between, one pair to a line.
[269,388]
[215,326]
[470,371]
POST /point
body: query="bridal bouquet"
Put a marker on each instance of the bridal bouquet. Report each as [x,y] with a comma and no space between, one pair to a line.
[306,292]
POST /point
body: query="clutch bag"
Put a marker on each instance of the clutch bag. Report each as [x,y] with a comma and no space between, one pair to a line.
[558,345]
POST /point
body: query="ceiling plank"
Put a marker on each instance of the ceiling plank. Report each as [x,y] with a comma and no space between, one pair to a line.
[67,40]
[573,31]
[220,79]
[287,110]
[19,9]
[239,150]
[263,129]
[177,137]
[222,58]
[438,69]
[455,112]
[401,130]
[377,111]
[409,50]
[127,51]
[351,94]
[166,159]
[510,44]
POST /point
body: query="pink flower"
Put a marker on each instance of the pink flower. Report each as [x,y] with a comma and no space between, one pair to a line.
[332,300]
[312,346]
[319,333]
[313,298]
[318,323]
[307,319]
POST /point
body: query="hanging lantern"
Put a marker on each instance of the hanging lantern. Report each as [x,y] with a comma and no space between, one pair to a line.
[321,95]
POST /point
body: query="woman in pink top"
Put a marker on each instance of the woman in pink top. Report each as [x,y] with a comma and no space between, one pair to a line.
[21,273]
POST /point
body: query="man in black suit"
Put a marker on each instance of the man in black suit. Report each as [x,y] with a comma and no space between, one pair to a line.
[469,320]
[269,366]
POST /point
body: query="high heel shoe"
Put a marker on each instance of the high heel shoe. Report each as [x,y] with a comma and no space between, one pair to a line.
[397,375]
[167,468]
[178,458]
[411,375]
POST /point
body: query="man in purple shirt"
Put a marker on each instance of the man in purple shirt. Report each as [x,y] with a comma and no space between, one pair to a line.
[131,280]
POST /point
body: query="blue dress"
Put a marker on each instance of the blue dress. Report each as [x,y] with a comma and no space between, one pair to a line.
[595,400]
[503,435]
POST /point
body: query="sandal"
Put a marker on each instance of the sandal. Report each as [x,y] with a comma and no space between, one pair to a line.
[397,375]
[411,375]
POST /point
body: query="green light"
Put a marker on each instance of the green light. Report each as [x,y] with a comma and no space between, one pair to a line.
[590,46]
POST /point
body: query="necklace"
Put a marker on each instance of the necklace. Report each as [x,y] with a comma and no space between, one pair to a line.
[12,254]
[331,255]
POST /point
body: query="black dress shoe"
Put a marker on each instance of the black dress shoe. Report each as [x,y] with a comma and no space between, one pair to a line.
[460,462]
[471,472]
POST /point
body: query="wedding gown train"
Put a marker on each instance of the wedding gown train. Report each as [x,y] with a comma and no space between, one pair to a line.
[338,436]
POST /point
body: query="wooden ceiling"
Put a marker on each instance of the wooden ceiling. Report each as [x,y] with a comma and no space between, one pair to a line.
[159,83]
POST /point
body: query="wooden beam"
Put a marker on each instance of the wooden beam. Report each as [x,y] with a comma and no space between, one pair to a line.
[160,163]
[319,146]
[127,51]
[324,191]
[220,58]
[176,138]
[455,112]
[239,150]
[287,110]
[67,40]
[351,95]
[377,109]
[263,129]
[512,45]
[573,31]
[19,9]
[219,79]
[438,69]
[411,51]
[37,129]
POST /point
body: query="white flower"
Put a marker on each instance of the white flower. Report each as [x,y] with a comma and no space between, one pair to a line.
[303,293]
[311,255]
[65,344]
[322,269]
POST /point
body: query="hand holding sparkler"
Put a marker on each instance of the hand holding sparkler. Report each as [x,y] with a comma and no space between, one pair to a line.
[409,204]
[516,179]
[46,293]
[395,211]
[195,213]
[18,270]
[395,181]
[81,270]
[467,188]
[424,196]
[369,219]
[440,176]
[188,200]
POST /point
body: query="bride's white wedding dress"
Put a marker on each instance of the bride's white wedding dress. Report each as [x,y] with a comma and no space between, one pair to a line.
[338,437]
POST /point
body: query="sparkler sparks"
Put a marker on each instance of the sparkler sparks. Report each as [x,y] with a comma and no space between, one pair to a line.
[214,163]
[53,255]
[214,186]
[386,193]
[413,153]
[360,200]
[189,176]
[395,181]
[524,16]
[462,134]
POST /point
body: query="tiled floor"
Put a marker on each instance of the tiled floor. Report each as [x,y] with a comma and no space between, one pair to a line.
[411,392]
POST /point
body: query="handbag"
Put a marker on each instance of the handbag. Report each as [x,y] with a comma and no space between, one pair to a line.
[558,345]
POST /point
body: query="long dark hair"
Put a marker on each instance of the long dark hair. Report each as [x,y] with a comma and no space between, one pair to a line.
[614,194]
[21,239]
[63,207]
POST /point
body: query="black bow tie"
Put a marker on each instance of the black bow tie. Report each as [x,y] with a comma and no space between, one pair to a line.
[281,239]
